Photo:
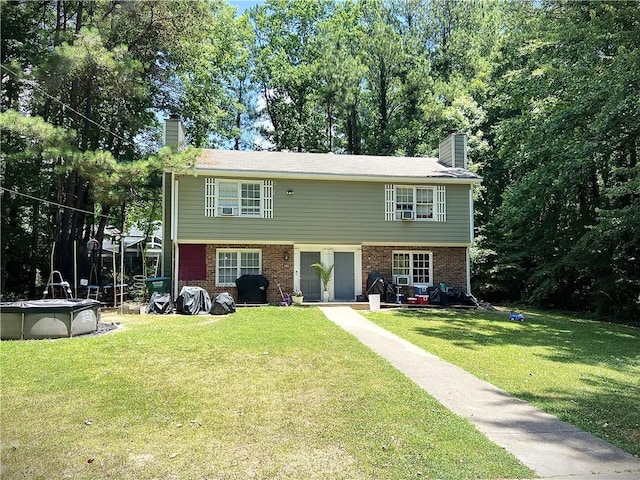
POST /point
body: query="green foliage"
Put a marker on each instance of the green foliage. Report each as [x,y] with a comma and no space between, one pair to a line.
[324,272]
[545,91]
[565,183]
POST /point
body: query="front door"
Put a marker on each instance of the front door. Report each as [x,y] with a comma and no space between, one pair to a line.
[309,279]
[344,276]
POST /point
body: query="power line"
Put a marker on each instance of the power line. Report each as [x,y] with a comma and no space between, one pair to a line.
[16,192]
[35,85]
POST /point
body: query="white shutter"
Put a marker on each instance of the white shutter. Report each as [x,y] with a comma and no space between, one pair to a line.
[389,202]
[267,199]
[441,204]
[209,197]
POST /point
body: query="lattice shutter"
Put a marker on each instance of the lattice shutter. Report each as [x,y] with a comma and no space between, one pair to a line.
[441,204]
[267,199]
[389,203]
[209,197]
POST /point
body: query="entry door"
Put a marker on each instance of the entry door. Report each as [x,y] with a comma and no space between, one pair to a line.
[309,279]
[344,276]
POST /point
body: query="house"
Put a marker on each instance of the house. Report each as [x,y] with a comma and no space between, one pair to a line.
[277,213]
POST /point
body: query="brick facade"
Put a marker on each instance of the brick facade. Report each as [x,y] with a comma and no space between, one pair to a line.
[449,263]
[277,267]
[449,266]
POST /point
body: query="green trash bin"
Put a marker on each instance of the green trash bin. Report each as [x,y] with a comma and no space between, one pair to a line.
[159,284]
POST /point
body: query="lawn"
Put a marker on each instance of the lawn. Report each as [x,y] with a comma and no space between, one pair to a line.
[584,372]
[265,393]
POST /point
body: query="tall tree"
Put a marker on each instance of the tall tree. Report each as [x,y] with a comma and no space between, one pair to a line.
[568,147]
[100,71]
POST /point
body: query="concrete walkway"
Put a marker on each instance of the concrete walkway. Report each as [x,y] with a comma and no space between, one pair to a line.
[550,447]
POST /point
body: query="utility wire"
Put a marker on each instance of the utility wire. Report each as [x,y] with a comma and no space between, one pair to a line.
[15,192]
[35,85]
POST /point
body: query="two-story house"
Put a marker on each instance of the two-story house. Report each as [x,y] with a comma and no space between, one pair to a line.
[277,213]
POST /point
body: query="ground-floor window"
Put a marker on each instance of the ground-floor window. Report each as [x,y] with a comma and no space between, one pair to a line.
[417,265]
[231,264]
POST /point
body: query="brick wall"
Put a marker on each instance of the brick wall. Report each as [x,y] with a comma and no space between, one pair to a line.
[277,267]
[449,266]
[449,263]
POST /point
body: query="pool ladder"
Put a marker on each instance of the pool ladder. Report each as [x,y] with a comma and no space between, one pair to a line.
[57,286]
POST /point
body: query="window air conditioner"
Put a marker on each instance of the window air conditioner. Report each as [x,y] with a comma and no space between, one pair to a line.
[227,210]
[407,215]
[402,279]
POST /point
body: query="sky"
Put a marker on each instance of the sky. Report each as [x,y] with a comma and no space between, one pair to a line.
[243,5]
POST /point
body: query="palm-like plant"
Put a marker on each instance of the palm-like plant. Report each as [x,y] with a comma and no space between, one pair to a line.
[324,272]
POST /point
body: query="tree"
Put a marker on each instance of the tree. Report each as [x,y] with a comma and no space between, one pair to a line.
[568,152]
[98,71]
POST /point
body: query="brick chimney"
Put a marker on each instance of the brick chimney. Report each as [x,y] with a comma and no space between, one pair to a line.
[174,136]
[453,150]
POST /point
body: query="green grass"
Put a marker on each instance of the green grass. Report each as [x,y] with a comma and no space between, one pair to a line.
[584,372]
[263,393]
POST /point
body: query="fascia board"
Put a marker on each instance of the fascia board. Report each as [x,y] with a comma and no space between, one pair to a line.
[341,178]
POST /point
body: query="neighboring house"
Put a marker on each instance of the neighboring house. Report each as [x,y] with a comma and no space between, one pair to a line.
[277,213]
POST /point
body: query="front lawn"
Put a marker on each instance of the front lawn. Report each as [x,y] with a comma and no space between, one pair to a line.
[584,372]
[263,393]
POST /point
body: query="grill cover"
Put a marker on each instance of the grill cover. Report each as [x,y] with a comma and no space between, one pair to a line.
[223,304]
[160,303]
[193,300]
[252,289]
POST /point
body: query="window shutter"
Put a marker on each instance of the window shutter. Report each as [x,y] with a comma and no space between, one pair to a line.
[267,199]
[209,197]
[389,203]
[441,204]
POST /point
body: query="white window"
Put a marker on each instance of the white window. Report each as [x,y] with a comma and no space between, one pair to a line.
[415,202]
[238,198]
[417,265]
[231,264]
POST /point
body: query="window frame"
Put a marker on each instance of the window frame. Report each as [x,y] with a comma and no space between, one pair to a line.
[407,198]
[412,267]
[239,266]
[241,204]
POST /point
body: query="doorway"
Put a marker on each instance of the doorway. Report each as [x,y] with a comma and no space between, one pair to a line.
[309,279]
[344,276]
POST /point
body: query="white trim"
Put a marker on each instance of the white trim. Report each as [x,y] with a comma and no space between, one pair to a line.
[327,257]
[209,197]
[328,176]
[411,253]
[238,251]
[266,199]
[440,204]
[174,209]
[389,202]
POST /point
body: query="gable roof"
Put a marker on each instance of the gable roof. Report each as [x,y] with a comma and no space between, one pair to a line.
[328,166]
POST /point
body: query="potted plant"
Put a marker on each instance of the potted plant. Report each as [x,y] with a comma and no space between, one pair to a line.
[297,297]
[324,272]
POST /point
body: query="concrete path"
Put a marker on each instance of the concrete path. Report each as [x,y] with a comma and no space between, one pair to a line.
[550,447]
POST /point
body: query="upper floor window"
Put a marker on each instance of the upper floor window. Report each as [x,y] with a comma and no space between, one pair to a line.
[238,198]
[415,202]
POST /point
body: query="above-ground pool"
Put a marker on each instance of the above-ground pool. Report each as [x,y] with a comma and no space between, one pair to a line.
[48,318]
